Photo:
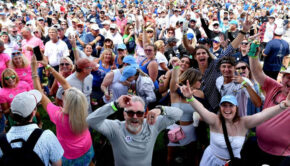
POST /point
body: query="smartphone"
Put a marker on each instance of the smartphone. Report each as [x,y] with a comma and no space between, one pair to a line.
[36,51]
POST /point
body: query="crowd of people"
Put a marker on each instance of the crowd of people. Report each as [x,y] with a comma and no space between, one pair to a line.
[212,76]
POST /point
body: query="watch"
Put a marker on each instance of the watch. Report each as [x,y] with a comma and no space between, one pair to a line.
[160,107]
[242,32]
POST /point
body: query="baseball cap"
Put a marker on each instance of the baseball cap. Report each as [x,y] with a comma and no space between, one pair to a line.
[130,60]
[24,103]
[230,99]
[75,20]
[234,22]
[172,39]
[84,63]
[215,22]
[190,36]
[278,31]
[95,27]
[40,18]
[149,29]
[113,26]
[128,71]
[217,39]
[106,22]
[121,47]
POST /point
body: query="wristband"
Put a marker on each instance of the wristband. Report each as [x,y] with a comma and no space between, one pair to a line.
[161,109]
[176,67]
[113,106]
[73,49]
[242,32]
[244,82]
[47,66]
[34,76]
[190,99]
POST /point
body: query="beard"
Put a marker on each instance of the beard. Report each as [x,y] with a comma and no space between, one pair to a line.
[134,128]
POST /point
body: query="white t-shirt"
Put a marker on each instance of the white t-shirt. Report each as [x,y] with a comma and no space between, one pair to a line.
[161,59]
[269,33]
[55,51]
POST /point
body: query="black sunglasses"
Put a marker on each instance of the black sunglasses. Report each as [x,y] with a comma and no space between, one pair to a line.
[242,67]
[131,113]
[64,64]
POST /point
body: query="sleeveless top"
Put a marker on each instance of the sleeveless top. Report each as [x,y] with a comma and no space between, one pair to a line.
[219,147]
[187,111]
[107,70]
[116,88]
[145,70]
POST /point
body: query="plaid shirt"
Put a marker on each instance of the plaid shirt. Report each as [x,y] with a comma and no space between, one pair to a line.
[262,30]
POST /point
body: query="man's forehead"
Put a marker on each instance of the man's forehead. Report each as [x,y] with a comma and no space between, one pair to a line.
[136,106]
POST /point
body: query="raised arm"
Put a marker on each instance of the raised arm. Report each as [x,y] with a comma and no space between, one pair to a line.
[268,113]
[209,117]
[186,44]
[72,41]
[256,67]
[174,79]
[106,83]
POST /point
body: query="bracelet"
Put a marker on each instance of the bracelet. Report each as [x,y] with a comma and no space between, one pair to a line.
[47,67]
[242,32]
[176,67]
[190,99]
[34,76]
[283,105]
[160,107]
[73,49]
[113,106]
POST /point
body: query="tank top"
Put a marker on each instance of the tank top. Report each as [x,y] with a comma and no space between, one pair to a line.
[219,147]
[145,70]
[187,111]
[107,70]
[116,88]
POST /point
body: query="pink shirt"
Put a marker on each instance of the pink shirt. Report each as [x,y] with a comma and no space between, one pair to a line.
[274,134]
[74,146]
[121,24]
[33,42]
[4,58]
[8,94]
[24,74]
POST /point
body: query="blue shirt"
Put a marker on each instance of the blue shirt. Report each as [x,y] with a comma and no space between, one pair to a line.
[275,50]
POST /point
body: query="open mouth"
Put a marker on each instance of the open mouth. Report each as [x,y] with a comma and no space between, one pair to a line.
[202,59]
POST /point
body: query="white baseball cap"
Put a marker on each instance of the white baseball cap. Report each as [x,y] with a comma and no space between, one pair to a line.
[24,103]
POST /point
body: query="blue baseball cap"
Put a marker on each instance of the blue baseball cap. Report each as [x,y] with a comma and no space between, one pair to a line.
[190,36]
[234,22]
[230,99]
[128,71]
[121,47]
[130,60]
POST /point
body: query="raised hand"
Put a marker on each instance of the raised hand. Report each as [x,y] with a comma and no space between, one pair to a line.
[247,24]
[124,101]
[186,90]
[152,116]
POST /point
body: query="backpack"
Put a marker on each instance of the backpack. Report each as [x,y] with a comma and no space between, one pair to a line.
[20,156]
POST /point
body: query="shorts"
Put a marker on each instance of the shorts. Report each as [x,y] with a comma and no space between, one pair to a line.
[84,160]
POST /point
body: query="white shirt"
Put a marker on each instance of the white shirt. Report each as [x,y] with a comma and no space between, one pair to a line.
[55,51]
[161,59]
[269,33]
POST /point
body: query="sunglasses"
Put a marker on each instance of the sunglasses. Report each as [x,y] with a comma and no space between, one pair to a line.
[216,42]
[149,31]
[148,50]
[16,53]
[242,67]
[80,26]
[12,77]
[112,29]
[244,43]
[64,64]
[131,113]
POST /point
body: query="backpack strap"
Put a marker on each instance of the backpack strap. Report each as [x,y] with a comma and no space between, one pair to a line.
[33,138]
[4,144]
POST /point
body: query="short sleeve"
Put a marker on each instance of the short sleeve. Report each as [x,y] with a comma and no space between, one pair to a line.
[6,58]
[2,97]
[53,111]
[268,48]
[269,83]
[54,147]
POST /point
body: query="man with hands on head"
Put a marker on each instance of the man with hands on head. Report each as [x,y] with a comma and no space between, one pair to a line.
[133,139]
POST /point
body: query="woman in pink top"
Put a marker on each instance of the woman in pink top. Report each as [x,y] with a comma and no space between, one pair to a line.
[11,86]
[20,64]
[4,58]
[71,127]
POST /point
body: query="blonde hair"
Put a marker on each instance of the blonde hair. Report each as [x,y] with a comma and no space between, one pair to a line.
[8,71]
[106,51]
[76,106]
[69,61]
[159,44]
[25,62]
